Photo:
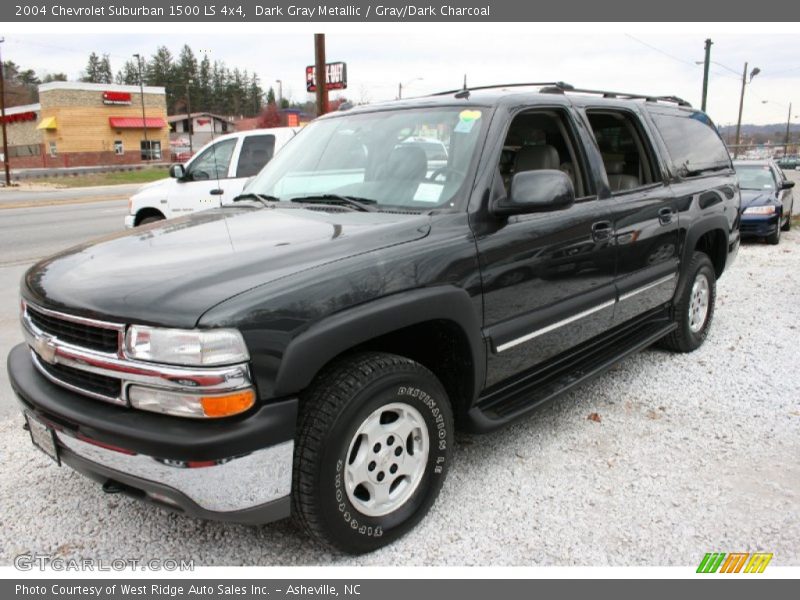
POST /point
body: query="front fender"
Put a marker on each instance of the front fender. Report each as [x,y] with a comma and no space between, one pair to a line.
[306,354]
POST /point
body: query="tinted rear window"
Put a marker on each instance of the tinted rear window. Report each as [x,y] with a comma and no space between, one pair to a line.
[692,141]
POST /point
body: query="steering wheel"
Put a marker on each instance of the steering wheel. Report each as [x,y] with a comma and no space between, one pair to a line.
[442,171]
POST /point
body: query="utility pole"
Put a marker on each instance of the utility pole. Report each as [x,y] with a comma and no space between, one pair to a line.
[788,123]
[753,73]
[400,91]
[321,79]
[706,66]
[144,119]
[189,120]
[3,116]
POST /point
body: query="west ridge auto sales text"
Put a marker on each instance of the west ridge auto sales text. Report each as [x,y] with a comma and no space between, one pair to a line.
[377,10]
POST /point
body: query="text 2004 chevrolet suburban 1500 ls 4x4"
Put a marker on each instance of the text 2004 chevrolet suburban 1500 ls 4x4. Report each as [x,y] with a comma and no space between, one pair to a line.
[310,348]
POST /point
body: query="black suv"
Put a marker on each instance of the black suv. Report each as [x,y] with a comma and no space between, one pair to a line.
[309,347]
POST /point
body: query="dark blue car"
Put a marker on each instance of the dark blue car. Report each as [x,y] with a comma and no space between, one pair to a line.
[767,199]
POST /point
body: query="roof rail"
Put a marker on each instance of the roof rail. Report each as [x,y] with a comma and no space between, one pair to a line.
[559,84]
[559,87]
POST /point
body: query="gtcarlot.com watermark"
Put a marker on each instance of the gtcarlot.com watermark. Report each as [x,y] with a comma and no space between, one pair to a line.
[44,562]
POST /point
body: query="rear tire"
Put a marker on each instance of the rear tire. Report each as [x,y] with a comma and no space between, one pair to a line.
[372,451]
[693,308]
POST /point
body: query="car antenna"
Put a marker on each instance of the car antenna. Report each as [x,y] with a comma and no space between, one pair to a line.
[464,93]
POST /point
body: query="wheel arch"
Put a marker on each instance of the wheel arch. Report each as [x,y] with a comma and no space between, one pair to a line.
[147,211]
[710,237]
[438,327]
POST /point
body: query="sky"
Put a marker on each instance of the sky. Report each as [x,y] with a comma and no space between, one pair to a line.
[427,59]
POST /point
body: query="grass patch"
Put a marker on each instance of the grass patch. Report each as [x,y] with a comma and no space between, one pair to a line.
[111,178]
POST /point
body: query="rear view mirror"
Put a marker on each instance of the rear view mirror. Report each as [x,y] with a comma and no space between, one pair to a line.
[536,191]
[787,185]
[177,171]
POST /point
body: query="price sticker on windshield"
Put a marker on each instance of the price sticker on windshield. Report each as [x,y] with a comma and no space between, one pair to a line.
[466,120]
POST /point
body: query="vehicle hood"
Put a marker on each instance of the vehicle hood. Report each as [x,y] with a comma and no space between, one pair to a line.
[757,198]
[171,272]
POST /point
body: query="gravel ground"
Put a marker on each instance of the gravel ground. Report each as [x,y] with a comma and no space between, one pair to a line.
[687,454]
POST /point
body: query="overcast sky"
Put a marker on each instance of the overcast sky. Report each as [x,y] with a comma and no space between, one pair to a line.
[646,63]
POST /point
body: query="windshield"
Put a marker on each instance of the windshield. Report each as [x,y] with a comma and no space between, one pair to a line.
[414,158]
[755,177]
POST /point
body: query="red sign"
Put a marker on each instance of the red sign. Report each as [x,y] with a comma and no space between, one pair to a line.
[335,77]
[20,117]
[116,98]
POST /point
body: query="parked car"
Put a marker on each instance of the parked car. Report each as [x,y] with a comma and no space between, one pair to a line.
[788,163]
[215,175]
[767,199]
[310,348]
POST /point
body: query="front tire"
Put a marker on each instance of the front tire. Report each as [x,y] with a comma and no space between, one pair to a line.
[775,238]
[693,308]
[372,451]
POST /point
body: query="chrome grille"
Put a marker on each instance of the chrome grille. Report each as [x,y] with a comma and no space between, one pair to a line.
[75,332]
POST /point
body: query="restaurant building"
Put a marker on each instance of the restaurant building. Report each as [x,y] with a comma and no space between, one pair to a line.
[88,124]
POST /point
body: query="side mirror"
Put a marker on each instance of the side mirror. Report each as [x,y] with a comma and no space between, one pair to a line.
[787,185]
[536,191]
[177,171]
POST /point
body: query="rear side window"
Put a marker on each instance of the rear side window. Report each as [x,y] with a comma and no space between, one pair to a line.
[692,141]
[257,150]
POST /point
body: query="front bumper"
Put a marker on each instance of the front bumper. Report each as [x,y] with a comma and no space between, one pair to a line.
[236,469]
[130,221]
[759,226]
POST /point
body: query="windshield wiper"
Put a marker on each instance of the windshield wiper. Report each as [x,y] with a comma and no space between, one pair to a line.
[263,198]
[363,204]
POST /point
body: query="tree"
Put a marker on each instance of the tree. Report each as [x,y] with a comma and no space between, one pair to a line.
[129,74]
[104,72]
[270,117]
[203,98]
[161,72]
[92,72]
[271,96]
[255,96]
[49,77]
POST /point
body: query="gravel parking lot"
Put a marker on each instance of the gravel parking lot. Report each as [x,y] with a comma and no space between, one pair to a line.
[663,459]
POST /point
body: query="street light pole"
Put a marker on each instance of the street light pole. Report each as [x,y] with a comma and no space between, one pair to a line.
[280,92]
[786,139]
[753,73]
[189,120]
[3,116]
[144,119]
[401,85]
[706,66]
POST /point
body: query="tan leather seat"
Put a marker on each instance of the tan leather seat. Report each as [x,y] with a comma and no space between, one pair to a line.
[618,180]
[533,158]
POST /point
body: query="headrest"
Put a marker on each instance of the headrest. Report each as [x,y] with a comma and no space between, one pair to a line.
[407,162]
[531,158]
[614,166]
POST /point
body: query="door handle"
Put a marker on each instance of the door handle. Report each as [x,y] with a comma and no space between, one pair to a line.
[601,230]
[217,192]
[665,216]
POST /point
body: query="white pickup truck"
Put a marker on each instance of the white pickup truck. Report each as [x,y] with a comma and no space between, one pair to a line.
[212,177]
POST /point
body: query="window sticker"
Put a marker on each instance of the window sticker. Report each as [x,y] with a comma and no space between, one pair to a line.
[466,120]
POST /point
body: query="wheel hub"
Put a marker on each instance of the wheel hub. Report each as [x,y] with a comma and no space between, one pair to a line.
[386,459]
[699,302]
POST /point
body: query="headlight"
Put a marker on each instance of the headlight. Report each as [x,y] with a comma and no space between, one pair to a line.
[187,404]
[194,347]
[760,210]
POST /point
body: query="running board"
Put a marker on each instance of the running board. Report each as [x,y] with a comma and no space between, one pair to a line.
[561,373]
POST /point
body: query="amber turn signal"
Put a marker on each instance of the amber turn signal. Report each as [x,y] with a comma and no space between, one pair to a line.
[229,404]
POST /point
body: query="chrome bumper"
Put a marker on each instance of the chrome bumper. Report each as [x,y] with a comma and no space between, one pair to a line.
[129,221]
[234,484]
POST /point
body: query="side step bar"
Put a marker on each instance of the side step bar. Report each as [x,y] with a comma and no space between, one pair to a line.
[545,382]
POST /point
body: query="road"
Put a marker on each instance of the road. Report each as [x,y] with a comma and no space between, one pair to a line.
[28,234]
[13,197]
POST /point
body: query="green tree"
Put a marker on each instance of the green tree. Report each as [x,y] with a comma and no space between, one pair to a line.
[91,73]
[271,96]
[129,74]
[104,72]
[54,77]
[204,93]
[161,72]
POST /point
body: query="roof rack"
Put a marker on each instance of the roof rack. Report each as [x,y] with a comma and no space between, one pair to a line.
[559,87]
